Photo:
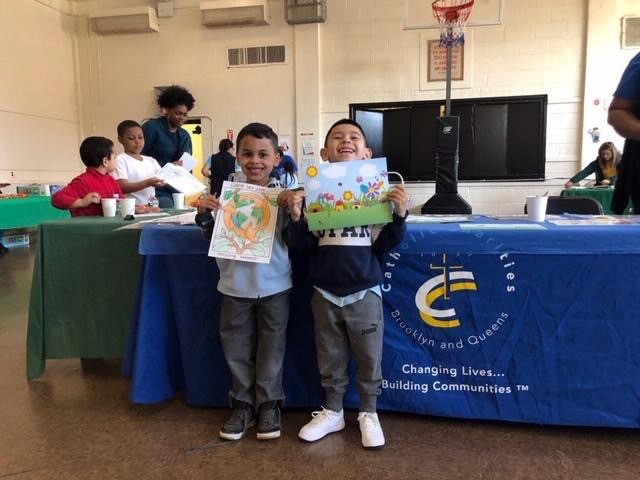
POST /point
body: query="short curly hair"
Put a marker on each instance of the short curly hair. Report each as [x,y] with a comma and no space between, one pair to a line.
[176,95]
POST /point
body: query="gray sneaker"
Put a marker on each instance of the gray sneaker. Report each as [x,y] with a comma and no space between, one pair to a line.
[268,421]
[242,419]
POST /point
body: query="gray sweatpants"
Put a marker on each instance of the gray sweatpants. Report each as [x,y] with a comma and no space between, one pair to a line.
[356,328]
[253,336]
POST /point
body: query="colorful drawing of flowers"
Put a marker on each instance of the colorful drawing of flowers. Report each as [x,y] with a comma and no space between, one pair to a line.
[371,190]
[315,207]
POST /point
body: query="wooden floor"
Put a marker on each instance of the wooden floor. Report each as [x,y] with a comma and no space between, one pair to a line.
[75,424]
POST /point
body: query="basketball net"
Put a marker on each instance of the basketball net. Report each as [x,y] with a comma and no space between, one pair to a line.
[452,16]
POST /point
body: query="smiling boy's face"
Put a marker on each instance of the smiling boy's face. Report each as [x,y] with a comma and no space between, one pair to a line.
[257,157]
[345,142]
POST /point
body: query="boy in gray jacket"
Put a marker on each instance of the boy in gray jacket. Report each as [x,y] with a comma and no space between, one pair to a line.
[255,305]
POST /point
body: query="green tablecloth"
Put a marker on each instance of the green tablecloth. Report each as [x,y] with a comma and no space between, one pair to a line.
[28,212]
[85,279]
[603,195]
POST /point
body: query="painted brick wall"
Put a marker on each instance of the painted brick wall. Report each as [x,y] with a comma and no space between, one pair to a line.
[538,49]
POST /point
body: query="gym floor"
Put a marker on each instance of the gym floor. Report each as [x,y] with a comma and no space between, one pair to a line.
[77,423]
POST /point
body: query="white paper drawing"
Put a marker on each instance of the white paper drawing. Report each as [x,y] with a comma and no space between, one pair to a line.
[246,223]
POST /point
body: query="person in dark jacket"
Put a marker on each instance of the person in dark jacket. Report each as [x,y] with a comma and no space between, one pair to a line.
[624,117]
[220,166]
[347,301]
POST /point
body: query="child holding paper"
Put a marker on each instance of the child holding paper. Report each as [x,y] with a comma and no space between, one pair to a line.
[83,194]
[255,305]
[135,173]
[347,304]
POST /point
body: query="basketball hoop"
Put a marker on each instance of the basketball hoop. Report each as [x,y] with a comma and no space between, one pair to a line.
[452,16]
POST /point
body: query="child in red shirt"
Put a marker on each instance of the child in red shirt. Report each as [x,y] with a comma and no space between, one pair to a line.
[82,196]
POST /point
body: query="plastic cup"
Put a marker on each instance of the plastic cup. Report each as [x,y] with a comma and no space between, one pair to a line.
[537,208]
[127,206]
[178,201]
[109,207]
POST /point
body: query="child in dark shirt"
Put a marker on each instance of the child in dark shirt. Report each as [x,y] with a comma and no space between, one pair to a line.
[347,304]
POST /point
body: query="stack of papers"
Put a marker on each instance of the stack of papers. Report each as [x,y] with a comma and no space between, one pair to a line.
[180,179]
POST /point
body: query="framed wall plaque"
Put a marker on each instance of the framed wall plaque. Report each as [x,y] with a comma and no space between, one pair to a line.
[437,62]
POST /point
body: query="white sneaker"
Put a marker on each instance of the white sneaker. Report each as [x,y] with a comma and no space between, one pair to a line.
[372,436]
[322,424]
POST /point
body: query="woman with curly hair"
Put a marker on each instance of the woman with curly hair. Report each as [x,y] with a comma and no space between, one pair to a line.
[164,138]
[605,167]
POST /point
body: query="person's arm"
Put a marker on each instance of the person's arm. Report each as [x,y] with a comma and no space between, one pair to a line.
[585,172]
[130,187]
[392,233]
[150,137]
[73,196]
[208,205]
[187,144]
[296,234]
[206,168]
[623,119]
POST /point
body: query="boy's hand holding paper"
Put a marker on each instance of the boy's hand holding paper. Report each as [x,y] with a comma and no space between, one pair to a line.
[180,179]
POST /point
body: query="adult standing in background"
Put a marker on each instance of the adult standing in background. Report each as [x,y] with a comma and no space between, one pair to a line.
[624,117]
[164,138]
[220,166]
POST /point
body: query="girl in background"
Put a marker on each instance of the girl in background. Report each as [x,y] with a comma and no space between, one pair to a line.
[605,167]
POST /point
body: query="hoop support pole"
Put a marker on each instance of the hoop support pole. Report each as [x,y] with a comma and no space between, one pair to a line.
[448,81]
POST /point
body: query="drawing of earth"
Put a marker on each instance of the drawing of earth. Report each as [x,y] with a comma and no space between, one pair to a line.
[247,214]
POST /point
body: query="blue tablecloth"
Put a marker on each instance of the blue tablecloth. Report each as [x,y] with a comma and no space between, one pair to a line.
[511,324]
[174,343]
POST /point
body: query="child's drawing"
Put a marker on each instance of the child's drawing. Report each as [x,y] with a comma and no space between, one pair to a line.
[245,224]
[347,194]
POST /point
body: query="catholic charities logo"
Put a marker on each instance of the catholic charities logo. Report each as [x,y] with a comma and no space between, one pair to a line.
[438,314]
[452,279]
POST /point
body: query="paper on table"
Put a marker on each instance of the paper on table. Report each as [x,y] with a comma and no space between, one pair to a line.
[188,162]
[438,218]
[180,179]
[167,219]
[502,226]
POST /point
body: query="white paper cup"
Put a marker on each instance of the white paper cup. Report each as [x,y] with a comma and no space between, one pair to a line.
[178,201]
[537,208]
[127,206]
[109,207]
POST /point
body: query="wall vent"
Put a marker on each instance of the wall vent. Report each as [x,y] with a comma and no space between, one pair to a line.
[631,32]
[252,56]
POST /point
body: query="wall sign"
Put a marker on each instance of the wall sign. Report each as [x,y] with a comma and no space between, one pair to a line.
[437,62]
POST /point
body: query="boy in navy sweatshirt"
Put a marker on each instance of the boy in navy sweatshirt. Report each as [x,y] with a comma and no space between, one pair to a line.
[347,304]
[255,304]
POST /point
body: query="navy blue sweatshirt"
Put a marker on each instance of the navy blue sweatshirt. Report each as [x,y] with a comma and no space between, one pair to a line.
[346,260]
